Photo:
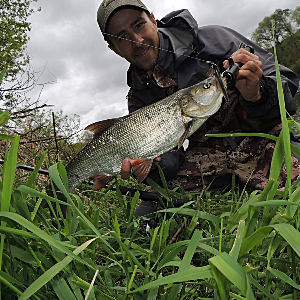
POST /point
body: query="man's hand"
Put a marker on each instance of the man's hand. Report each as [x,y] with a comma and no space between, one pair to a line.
[126,167]
[248,78]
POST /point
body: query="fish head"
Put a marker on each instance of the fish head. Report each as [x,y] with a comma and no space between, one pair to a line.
[203,99]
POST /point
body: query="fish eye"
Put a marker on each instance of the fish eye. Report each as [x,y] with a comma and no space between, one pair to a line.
[207,85]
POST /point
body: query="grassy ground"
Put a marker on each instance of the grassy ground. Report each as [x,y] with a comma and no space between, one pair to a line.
[235,245]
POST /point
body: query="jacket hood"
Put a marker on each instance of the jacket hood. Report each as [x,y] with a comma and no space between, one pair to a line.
[181,19]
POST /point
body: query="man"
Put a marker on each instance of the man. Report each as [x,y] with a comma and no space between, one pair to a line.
[172,54]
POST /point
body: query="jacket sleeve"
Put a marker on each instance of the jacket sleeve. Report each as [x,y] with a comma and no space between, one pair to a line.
[216,42]
[134,102]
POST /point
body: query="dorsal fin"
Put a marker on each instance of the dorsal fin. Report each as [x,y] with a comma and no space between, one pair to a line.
[98,127]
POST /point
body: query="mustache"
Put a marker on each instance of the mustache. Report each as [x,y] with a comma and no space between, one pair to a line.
[142,48]
[140,51]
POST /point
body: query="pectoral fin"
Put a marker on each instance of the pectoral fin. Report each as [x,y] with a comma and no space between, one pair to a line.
[185,134]
[100,181]
[141,167]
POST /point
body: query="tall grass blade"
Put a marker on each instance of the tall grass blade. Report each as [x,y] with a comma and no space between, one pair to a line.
[234,272]
[41,234]
[153,239]
[260,288]
[129,253]
[223,284]
[10,286]
[152,295]
[233,296]
[285,127]
[27,190]
[277,159]
[76,290]
[189,253]
[256,238]
[5,136]
[49,274]
[193,273]
[282,276]
[62,290]
[132,278]
[55,176]
[175,289]
[234,253]
[33,175]
[20,205]
[157,187]
[9,170]
[273,203]
[192,212]
[13,231]
[168,259]
[290,234]
[134,202]
[242,212]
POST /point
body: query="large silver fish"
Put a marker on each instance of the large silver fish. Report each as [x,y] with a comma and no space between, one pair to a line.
[144,134]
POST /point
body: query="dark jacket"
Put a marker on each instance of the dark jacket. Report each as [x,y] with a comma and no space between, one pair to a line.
[184,50]
[179,33]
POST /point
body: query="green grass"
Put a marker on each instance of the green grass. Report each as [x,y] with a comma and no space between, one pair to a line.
[235,245]
[239,244]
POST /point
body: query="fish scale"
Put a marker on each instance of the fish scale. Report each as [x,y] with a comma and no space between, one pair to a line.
[146,133]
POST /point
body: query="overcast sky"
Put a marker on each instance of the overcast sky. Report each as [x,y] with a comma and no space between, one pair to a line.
[66,43]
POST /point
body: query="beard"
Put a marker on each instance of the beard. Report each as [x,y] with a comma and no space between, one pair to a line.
[145,56]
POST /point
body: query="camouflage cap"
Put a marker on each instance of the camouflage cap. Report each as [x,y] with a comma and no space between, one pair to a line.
[107,7]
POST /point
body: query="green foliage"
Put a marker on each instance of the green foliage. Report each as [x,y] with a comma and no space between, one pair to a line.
[232,245]
[14,38]
[4,117]
[286,36]
[19,77]
[283,28]
[296,15]
[288,54]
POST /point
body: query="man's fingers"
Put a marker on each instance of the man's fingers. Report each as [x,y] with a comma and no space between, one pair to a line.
[243,57]
[126,168]
[251,71]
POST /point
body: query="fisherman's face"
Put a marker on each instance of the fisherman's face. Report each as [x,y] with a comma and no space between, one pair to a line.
[134,36]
